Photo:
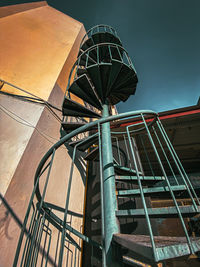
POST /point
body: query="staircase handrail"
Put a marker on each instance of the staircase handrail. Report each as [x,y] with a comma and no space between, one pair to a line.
[83,129]
[97,26]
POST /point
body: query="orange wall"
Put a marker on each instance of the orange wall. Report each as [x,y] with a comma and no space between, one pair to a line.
[34,48]
[38,48]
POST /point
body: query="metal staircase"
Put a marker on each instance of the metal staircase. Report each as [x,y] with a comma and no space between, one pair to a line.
[102,76]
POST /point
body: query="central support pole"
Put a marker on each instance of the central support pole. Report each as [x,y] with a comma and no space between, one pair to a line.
[110,203]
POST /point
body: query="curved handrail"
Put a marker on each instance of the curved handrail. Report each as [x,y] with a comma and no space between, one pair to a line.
[78,131]
[99,26]
[94,47]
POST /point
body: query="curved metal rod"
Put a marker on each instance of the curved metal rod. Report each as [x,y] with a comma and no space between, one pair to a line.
[77,131]
[137,130]
[93,47]
[98,26]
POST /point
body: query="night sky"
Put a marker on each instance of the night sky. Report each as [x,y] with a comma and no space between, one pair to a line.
[162,38]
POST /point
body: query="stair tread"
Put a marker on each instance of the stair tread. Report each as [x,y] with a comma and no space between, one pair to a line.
[152,190]
[146,180]
[115,69]
[166,246]
[126,75]
[94,74]
[72,108]
[81,71]
[120,170]
[86,142]
[83,59]
[82,88]
[70,126]
[92,155]
[105,37]
[88,43]
[186,211]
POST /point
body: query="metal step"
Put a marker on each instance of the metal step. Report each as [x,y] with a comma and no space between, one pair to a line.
[124,171]
[164,212]
[125,91]
[115,69]
[159,191]
[81,71]
[105,37]
[146,180]
[131,82]
[122,96]
[93,155]
[126,76]
[87,59]
[88,43]
[116,53]
[113,99]
[105,70]
[95,76]
[71,126]
[86,142]
[83,89]
[166,247]
[72,108]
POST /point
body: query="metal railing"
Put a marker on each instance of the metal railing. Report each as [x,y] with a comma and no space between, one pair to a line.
[114,52]
[42,216]
[99,29]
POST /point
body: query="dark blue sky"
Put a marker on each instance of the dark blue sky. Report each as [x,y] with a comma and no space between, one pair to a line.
[162,38]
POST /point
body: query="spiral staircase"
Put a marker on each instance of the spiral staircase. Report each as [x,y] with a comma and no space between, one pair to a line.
[102,76]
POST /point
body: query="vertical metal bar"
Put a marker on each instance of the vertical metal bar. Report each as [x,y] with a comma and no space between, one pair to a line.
[66,210]
[119,53]
[47,254]
[102,199]
[142,196]
[146,155]
[56,253]
[24,225]
[109,49]
[28,211]
[33,243]
[37,247]
[168,184]
[97,54]
[130,165]
[176,159]
[137,153]
[77,66]
[120,162]
[86,63]
[67,206]
[44,246]
[40,206]
[110,204]
[165,155]
[26,246]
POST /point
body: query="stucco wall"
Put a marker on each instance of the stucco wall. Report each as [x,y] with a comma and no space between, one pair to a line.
[38,49]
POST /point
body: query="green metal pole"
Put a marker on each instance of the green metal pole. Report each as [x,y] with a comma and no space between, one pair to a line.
[110,203]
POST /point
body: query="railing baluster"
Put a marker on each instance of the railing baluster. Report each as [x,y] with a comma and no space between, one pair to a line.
[102,198]
[146,155]
[165,155]
[142,196]
[179,165]
[168,184]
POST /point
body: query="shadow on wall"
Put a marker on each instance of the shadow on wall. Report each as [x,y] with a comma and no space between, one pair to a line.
[43,229]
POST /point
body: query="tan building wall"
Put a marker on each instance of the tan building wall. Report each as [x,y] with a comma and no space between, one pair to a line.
[38,48]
